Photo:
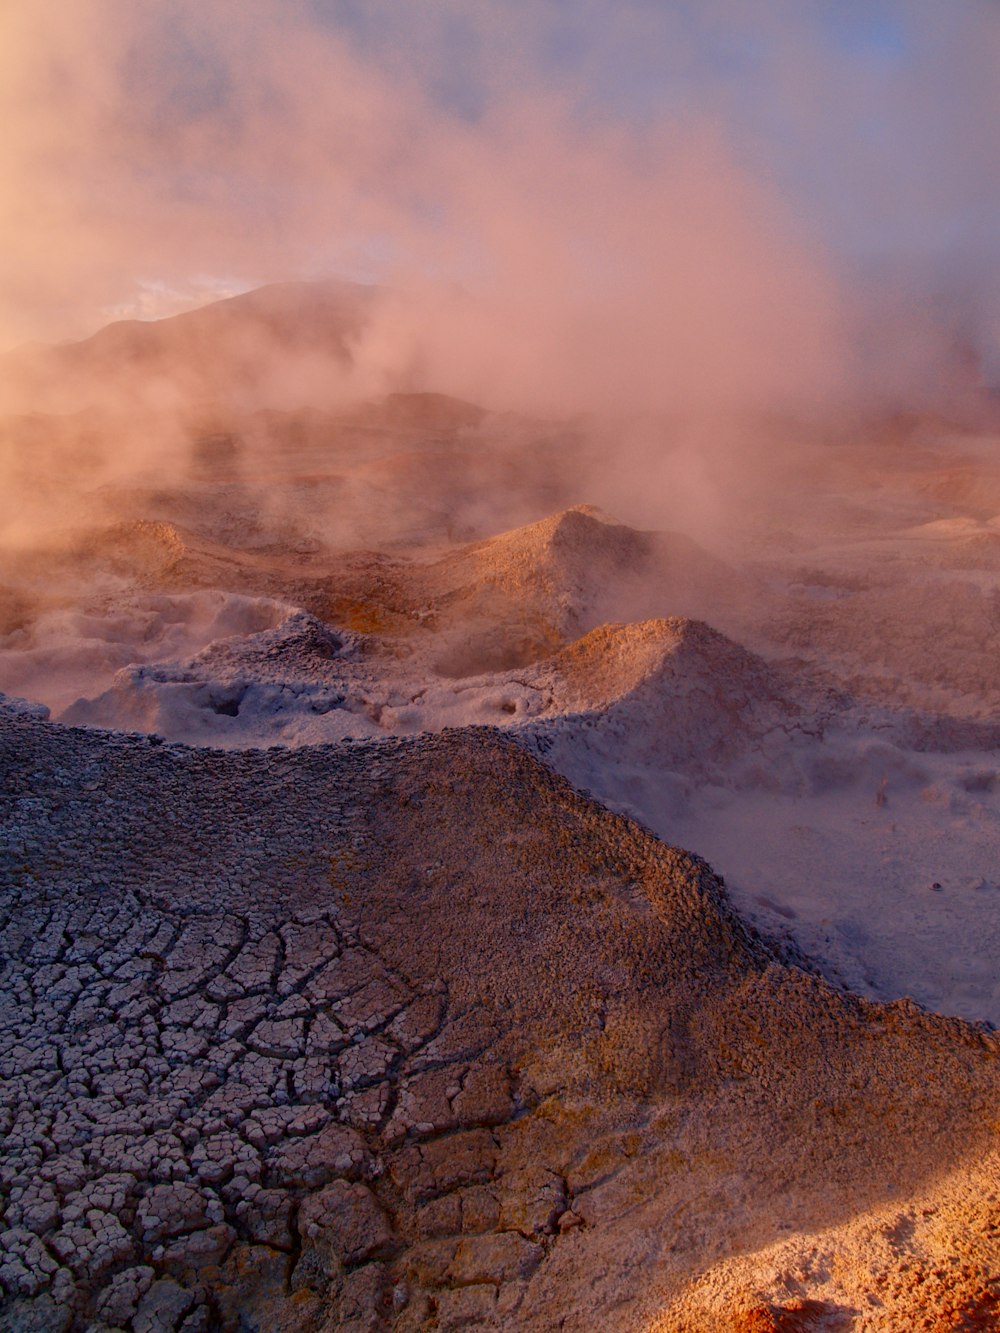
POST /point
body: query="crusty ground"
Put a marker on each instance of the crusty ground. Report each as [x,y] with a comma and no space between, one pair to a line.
[410,1035]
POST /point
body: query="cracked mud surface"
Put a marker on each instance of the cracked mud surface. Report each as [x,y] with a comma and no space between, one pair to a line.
[410,1035]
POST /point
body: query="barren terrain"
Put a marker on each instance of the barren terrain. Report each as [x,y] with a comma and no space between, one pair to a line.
[354,976]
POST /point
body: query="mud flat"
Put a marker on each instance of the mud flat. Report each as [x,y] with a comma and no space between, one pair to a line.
[409,1034]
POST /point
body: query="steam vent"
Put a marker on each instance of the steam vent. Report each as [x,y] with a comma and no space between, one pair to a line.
[330,1003]
[499,708]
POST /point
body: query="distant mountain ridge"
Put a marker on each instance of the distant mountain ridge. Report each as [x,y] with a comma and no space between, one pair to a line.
[226,349]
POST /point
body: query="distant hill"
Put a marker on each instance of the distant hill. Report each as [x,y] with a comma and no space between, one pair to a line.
[274,342]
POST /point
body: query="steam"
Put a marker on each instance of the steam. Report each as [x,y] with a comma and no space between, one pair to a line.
[607,264]
[657,221]
[647,207]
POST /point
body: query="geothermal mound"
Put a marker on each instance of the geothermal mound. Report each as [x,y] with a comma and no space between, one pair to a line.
[411,1035]
[577,567]
[387,1026]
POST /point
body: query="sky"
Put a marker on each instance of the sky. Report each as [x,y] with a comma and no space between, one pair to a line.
[155,156]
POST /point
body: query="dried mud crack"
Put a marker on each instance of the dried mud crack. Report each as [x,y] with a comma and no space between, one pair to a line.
[411,1035]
